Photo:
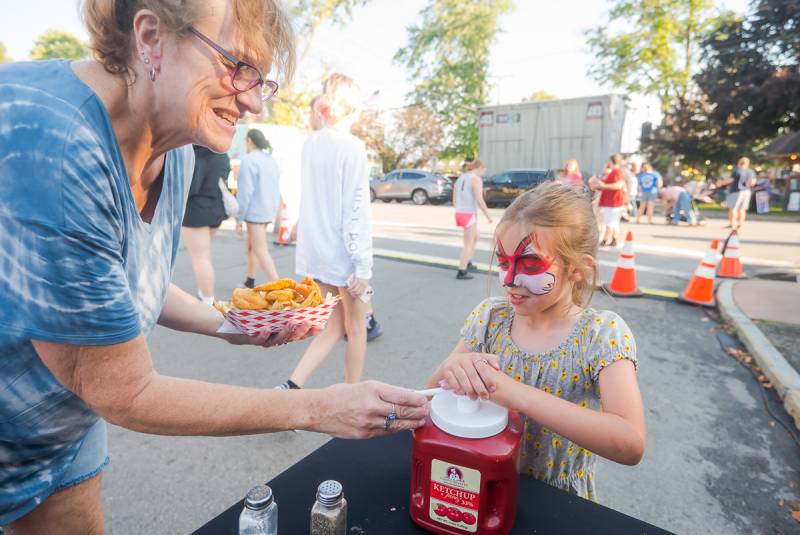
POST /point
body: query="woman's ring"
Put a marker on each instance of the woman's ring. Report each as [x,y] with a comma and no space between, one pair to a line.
[387,423]
[482,361]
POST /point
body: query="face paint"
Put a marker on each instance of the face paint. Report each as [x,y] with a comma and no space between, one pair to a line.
[525,268]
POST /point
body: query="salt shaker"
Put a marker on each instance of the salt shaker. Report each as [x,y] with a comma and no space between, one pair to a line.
[329,514]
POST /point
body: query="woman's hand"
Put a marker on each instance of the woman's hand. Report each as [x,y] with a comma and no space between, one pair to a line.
[358,287]
[239,227]
[470,374]
[360,410]
[291,332]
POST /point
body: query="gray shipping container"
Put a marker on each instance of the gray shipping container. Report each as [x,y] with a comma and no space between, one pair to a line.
[545,134]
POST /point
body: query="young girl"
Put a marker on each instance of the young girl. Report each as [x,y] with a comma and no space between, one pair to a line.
[334,240]
[541,351]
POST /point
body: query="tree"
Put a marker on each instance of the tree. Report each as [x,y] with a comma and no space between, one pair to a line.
[539,95]
[748,87]
[658,54]
[416,138]
[57,44]
[3,57]
[447,56]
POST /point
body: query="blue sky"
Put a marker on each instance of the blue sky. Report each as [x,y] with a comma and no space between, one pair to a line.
[540,46]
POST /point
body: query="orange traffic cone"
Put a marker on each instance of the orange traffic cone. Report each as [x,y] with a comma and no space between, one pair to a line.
[284,231]
[623,283]
[731,266]
[700,290]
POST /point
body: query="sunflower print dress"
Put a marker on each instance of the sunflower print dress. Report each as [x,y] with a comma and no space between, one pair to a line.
[570,371]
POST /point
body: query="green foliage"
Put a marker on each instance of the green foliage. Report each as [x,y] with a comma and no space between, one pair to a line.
[447,57]
[539,95]
[657,53]
[310,14]
[747,88]
[57,44]
[290,108]
[3,57]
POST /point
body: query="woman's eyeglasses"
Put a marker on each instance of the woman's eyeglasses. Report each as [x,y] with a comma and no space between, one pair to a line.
[244,76]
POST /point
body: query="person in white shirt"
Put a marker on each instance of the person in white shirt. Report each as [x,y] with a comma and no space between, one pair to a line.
[334,232]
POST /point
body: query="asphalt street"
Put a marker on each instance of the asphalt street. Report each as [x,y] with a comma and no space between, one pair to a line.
[716,462]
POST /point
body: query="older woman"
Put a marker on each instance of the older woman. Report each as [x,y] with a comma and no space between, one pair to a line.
[88,244]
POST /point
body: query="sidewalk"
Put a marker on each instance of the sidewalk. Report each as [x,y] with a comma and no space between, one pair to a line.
[766,316]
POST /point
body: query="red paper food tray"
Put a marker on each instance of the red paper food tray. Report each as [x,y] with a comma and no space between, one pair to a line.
[255,322]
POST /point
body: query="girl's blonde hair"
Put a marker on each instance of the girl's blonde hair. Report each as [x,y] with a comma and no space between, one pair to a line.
[263,26]
[340,97]
[572,230]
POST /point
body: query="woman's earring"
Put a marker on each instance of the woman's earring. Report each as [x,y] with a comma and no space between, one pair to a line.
[152,74]
[145,59]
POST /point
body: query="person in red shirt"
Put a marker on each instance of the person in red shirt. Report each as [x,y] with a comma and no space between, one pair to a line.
[612,200]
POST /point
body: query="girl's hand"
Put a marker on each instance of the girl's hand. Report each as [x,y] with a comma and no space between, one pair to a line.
[239,227]
[358,287]
[470,374]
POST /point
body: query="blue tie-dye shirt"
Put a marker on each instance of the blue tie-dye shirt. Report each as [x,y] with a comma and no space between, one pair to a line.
[77,263]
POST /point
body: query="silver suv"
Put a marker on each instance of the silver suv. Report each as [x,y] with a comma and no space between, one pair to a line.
[416,185]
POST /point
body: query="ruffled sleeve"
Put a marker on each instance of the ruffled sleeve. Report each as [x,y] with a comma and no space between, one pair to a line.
[613,341]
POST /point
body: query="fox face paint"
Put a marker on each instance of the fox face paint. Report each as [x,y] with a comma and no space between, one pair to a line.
[526,268]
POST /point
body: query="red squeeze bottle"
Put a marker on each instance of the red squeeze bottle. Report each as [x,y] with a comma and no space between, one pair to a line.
[465,467]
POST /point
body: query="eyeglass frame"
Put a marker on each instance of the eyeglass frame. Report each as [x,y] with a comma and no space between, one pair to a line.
[238,64]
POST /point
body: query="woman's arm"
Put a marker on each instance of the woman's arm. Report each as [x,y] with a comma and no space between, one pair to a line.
[617,433]
[119,383]
[183,312]
[477,192]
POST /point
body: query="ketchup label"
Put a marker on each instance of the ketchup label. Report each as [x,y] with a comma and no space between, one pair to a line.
[455,495]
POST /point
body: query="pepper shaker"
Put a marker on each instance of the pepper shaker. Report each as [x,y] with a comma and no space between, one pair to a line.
[329,513]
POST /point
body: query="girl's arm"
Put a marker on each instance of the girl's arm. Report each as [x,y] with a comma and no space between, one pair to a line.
[477,191]
[617,433]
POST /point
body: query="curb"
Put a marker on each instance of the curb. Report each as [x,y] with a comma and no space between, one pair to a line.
[783,377]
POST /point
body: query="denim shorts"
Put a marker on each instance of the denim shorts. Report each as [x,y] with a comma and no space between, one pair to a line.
[92,457]
[648,196]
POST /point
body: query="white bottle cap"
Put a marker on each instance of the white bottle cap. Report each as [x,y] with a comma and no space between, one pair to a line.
[462,417]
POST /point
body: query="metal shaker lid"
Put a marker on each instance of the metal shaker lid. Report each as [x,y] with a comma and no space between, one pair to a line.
[329,492]
[258,497]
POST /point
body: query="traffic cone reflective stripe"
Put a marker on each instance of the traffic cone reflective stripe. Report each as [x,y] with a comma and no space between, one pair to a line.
[623,283]
[700,290]
[731,265]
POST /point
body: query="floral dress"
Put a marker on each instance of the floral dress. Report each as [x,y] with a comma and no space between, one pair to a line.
[570,371]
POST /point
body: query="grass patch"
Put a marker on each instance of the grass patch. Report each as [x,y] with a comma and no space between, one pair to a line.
[773,210]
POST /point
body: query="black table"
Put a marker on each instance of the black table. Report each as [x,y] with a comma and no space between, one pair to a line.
[375,476]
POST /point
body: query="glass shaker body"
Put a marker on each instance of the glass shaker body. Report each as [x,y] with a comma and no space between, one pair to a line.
[329,513]
[260,513]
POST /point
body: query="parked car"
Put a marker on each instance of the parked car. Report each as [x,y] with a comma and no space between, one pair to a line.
[502,188]
[415,185]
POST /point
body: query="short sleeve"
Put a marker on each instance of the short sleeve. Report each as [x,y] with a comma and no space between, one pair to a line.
[482,325]
[61,253]
[613,341]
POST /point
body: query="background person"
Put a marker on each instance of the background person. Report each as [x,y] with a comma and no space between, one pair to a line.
[612,200]
[205,212]
[334,231]
[677,200]
[467,198]
[740,185]
[112,168]
[259,196]
[650,182]
[572,174]
[631,170]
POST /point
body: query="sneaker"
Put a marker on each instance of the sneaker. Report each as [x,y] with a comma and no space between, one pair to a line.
[374,329]
[249,283]
[471,266]
[613,243]
[288,385]
[463,275]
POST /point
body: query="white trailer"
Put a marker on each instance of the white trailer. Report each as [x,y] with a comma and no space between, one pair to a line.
[545,134]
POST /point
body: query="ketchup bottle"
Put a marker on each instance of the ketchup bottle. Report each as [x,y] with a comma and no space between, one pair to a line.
[465,467]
